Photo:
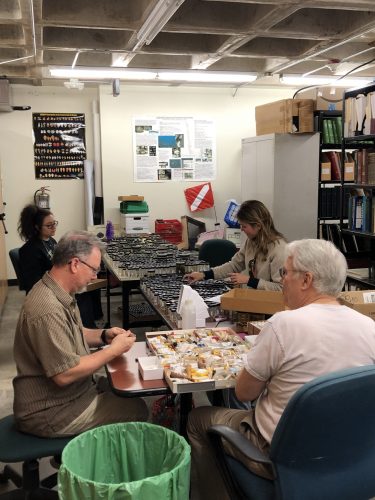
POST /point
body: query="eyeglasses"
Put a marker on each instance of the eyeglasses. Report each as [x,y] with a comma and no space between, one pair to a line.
[93,269]
[51,225]
[283,272]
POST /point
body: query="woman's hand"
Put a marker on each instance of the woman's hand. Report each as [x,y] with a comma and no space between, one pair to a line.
[238,278]
[193,277]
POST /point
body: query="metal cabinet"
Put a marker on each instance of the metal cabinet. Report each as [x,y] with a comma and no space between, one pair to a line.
[282,171]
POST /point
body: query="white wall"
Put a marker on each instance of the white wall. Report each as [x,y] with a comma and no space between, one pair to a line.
[17,160]
[234,118]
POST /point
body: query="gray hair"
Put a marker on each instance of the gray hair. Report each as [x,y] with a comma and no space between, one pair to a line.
[75,244]
[326,263]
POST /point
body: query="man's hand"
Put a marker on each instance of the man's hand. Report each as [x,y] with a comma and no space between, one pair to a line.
[122,343]
[238,278]
[111,333]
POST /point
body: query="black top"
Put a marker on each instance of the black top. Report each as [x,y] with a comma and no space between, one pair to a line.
[35,260]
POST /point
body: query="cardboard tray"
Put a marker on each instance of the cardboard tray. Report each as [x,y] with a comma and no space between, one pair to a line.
[362,301]
[181,386]
[254,301]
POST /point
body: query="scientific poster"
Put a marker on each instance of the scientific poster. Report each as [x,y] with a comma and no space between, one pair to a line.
[59,145]
[174,149]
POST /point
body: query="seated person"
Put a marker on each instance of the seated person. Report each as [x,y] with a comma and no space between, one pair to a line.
[258,261]
[37,226]
[315,337]
[54,390]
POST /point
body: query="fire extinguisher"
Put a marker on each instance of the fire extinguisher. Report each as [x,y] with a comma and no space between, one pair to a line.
[41,197]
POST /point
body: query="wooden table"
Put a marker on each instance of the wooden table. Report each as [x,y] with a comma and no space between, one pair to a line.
[125,381]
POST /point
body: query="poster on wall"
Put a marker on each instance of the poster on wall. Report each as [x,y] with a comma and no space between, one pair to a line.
[170,149]
[59,145]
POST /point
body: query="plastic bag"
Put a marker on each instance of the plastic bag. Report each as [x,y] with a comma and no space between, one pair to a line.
[134,460]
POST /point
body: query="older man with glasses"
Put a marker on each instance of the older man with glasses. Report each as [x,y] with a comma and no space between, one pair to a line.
[314,337]
[55,393]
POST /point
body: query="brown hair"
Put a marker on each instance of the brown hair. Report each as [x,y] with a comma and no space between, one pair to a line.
[254,212]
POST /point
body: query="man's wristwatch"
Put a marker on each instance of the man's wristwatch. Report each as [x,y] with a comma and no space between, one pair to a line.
[103,336]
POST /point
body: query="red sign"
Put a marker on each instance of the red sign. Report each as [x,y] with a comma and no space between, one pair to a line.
[200,197]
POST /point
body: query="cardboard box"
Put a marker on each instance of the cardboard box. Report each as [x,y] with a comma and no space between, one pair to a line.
[254,327]
[135,223]
[362,301]
[326,98]
[256,301]
[325,171]
[150,368]
[233,235]
[130,197]
[286,116]
[97,283]
[349,171]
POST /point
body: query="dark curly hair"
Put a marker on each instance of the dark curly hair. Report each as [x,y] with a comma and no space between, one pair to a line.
[31,221]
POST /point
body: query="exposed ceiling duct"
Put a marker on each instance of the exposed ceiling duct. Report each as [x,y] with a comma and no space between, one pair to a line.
[249,37]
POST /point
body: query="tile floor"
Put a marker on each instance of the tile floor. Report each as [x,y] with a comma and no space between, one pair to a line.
[8,321]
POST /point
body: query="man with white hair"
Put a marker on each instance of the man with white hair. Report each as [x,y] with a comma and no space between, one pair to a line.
[315,337]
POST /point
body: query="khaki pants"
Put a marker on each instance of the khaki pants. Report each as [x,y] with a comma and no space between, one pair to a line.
[211,485]
[107,408]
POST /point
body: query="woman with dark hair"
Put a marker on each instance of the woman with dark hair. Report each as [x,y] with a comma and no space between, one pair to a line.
[258,262]
[37,226]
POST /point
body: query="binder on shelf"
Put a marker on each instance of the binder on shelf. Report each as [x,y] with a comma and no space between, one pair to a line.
[335,165]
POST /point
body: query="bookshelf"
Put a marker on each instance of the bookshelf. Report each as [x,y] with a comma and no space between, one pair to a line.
[329,125]
[357,219]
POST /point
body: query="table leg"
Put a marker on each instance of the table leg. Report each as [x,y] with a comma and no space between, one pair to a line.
[108,324]
[126,288]
[186,404]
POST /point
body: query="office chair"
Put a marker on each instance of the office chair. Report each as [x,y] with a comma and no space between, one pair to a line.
[14,255]
[217,252]
[323,446]
[15,446]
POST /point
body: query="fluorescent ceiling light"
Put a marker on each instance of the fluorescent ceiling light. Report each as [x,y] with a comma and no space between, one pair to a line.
[157,75]
[95,73]
[323,80]
[206,76]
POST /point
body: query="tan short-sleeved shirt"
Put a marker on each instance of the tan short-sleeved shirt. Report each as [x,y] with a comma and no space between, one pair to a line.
[296,346]
[49,340]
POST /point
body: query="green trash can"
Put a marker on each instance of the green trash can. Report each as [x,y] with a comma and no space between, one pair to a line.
[135,460]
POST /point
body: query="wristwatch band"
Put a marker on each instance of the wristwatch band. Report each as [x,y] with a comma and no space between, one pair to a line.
[103,336]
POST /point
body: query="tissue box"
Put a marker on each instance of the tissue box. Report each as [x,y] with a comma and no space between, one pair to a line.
[150,368]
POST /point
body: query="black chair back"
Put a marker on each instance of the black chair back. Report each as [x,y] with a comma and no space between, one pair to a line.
[217,252]
[14,255]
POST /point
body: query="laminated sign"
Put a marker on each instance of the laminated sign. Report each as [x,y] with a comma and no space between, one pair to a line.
[199,197]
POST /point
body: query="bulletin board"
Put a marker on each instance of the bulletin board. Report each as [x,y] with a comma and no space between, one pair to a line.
[168,149]
[59,145]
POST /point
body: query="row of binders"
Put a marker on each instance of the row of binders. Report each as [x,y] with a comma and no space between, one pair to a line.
[360,115]
[359,166]
[330,203]
[331,166]
[364,166]
[332,130]
[361,211]
[347,243]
